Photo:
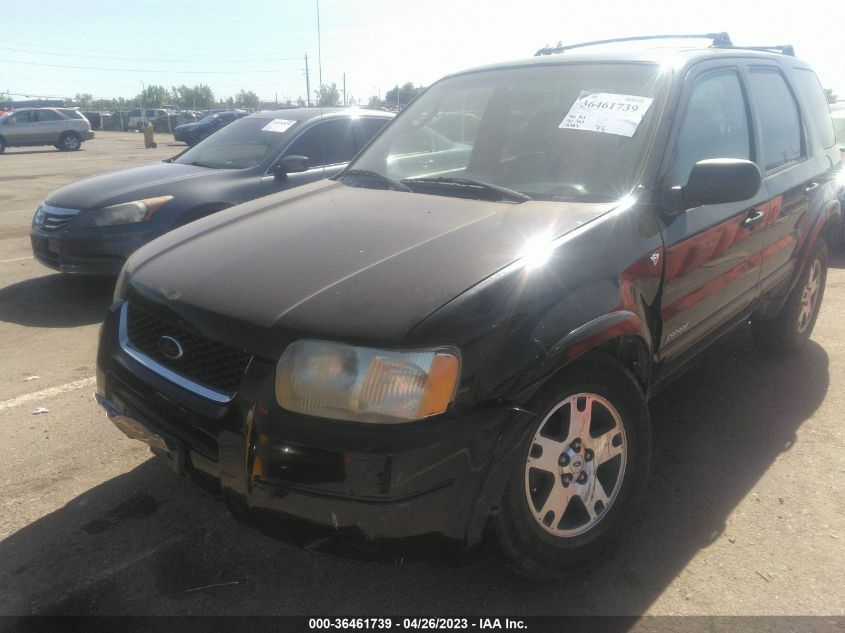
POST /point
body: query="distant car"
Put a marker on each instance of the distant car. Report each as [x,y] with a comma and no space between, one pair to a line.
[93,225]
[139,117]
[64,128]
[191,133]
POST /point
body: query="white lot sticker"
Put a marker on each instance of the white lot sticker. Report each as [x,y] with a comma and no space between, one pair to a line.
[278,125]
[607,113]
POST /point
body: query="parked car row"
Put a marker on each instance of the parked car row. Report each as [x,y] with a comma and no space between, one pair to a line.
[459,332]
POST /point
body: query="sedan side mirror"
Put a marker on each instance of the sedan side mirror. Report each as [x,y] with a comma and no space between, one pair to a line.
[717,181]
[291,165]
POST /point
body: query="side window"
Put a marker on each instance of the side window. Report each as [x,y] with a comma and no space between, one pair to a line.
[715,123]
[150,114]
[326,143]
[23,116]
[369,127]
[779,118]
[817,108]
[48,115]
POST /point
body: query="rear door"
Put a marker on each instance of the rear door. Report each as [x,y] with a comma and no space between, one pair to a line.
[790,174]
[712,252]
[47,126]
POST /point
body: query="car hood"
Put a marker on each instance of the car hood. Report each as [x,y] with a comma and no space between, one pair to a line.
[341,262]
[125,185]
[186,127]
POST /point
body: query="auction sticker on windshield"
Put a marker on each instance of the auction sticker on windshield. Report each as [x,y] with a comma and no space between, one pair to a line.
[607,113]
[278,125]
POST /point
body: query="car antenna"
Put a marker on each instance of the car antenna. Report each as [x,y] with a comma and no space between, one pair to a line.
[322,128]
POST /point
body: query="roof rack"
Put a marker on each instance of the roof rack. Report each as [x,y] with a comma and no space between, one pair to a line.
[718,39]
[783,49]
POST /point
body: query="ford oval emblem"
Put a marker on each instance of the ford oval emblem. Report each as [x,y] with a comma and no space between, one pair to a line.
[170,347]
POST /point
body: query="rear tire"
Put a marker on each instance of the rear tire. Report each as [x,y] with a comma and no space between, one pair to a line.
[791,328]
[581,472]
[70,142]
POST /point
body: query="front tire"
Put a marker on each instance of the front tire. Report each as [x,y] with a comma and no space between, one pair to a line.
[791,328]
[581,472]
[70,142]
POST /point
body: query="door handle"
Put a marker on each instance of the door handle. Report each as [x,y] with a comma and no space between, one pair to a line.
[754,216]
[811,187]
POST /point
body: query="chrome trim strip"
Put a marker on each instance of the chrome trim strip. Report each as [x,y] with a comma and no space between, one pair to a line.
[46,208]
[161,370]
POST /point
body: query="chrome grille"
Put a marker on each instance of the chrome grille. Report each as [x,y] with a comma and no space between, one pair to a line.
[52,218]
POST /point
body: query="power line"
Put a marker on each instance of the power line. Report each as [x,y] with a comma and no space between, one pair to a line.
[162,61]
[142,70]
[145,55]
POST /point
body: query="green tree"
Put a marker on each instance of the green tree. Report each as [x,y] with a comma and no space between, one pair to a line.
[83,100]
[197,98]
[327,95]
[402,96]
[247,99]
[831,96]
[154,96]
[374,102]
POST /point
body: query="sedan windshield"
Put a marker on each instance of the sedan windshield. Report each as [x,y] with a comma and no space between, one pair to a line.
[552,132]
[241,144]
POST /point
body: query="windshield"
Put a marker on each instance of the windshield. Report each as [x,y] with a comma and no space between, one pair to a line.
[555,132]
[208,119]
[241,144]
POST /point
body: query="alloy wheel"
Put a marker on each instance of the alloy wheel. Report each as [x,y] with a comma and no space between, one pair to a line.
[576,465]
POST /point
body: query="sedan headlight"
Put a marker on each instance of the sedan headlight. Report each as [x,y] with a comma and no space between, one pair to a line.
[333,380]
[127,212]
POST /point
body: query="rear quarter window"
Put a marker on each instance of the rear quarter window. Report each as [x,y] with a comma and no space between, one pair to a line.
[811,92]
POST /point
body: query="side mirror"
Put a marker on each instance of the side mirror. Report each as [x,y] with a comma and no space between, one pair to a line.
[291,165]
[717,181]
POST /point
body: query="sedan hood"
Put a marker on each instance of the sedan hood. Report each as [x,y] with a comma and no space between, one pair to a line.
[125,185]
[342,262]
[186,127]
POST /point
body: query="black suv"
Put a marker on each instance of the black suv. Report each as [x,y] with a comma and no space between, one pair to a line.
[451,334]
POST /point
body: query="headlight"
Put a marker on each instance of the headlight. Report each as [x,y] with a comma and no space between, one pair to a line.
[127,212]
[333,380]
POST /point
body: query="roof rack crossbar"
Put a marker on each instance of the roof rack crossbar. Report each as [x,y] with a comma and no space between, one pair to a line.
[718,39]
[784,49]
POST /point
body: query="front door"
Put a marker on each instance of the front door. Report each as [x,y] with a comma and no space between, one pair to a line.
[328,145]
[712,252]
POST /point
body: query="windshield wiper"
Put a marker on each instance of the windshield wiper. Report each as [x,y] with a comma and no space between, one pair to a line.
[198,163]
[366,173]
[467,183]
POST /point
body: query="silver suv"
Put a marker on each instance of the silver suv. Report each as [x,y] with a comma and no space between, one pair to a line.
[62,127]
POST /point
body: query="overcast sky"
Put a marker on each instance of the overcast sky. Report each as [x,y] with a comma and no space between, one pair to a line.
[109,49]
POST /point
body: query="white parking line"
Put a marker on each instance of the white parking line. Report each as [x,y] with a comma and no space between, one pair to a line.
[16,259]
[47,393]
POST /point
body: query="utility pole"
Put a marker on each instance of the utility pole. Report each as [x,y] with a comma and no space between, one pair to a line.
[344,89]
[307,83]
